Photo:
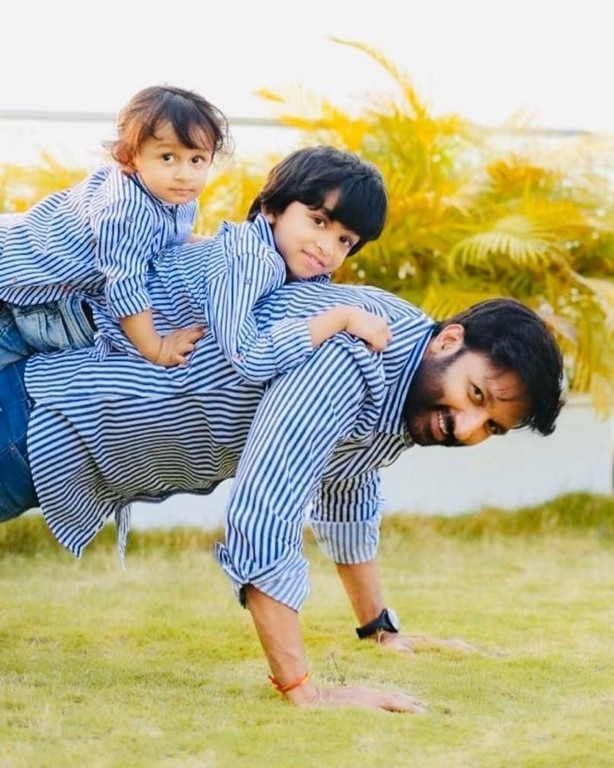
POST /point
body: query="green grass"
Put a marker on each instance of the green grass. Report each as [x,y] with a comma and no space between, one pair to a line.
[158,666]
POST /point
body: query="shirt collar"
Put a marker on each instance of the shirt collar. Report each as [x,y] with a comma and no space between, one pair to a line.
[399,368]
[135,178]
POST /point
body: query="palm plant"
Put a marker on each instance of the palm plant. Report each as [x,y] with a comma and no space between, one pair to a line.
[476,214]
[21,187]
[473,213]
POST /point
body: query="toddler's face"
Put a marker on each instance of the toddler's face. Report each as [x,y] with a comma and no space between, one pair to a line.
[172,172]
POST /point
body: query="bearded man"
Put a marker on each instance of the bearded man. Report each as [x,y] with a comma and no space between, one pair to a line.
[305,446]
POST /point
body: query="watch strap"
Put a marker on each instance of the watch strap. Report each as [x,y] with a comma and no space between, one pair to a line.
[386,622]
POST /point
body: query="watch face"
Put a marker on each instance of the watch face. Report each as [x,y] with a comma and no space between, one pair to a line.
[393,619]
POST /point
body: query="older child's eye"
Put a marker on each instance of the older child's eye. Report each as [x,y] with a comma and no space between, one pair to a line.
[347,242]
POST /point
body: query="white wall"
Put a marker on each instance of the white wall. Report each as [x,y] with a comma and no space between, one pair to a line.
[519,469]
[508,472]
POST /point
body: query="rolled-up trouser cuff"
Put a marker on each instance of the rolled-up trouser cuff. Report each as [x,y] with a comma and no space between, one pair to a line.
[348,543]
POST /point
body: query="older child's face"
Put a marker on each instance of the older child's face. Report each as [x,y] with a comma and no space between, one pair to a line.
[170,171]
[309,241]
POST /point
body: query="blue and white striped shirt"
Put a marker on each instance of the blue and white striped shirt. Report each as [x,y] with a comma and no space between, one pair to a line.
[108,432]
[94,239]
[216,282]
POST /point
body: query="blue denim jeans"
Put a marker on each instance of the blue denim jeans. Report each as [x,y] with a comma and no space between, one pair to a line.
[17,493]
[25,330]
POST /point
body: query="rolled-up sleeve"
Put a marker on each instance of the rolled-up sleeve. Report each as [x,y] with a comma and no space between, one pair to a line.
[254,270]
[298,424]
[345,518]
[126,241]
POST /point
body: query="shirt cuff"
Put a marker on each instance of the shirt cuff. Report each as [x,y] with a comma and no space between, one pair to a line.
[291,343]
[125,304]
[348,542]
[285,580]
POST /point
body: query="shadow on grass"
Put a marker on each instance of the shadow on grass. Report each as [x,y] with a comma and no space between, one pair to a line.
[571,513]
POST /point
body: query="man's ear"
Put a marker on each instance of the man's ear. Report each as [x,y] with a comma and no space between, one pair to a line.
[449,340]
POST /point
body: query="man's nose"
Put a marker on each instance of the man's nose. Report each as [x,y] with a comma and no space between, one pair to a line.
[470,426]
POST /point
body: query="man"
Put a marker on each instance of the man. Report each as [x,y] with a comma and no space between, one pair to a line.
[103,433]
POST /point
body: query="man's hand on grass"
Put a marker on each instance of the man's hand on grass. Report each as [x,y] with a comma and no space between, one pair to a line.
[421,643]
[358,696]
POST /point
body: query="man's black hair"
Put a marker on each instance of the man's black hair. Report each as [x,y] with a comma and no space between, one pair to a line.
[515,338]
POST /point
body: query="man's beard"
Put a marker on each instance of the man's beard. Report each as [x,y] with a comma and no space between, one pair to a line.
[423,404]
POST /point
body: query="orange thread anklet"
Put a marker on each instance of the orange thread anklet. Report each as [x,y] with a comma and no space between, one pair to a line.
[289,686]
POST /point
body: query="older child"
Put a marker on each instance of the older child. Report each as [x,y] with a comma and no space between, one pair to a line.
[318,206]
[97,238]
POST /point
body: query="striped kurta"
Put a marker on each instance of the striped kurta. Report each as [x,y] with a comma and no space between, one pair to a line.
[94,239]
[107,432]
[216,282]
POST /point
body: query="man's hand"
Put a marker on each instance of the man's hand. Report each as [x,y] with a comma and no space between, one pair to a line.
[420,643]
[363,585]
[358,696]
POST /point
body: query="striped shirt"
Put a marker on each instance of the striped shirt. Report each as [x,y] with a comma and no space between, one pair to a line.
[95,239]
[216,282]
[108,432]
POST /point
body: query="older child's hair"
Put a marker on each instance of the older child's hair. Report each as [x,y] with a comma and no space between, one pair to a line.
[195,120]
[309,175]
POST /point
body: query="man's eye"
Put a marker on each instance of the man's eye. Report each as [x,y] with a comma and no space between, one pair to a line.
[477,394]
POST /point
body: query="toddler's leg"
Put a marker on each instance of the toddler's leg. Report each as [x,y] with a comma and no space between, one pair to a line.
[56,325]
[17,493]
[13,346]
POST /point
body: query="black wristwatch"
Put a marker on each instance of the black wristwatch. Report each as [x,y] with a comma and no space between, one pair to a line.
[386,621]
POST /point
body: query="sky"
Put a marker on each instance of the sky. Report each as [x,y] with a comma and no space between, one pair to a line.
[550,60]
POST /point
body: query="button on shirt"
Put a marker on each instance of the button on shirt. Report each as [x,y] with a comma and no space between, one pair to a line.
[108,432]
[95,239]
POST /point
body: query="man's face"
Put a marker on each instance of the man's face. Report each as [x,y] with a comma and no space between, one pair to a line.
[459,397]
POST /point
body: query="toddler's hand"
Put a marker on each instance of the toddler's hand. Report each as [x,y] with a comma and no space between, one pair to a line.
[177,346]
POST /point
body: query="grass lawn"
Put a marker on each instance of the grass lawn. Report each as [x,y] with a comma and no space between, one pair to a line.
[158,666]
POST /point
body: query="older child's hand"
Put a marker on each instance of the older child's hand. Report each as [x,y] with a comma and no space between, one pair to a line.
[373,329]
[176,347]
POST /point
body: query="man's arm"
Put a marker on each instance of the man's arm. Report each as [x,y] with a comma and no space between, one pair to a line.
[345,519]
[299,422]
[279,633]
[362,584]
